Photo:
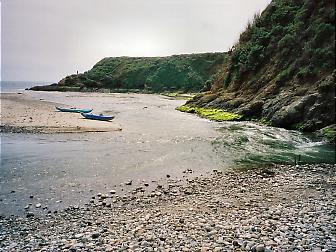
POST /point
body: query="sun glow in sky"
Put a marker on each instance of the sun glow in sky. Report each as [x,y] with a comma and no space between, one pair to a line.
[47,40]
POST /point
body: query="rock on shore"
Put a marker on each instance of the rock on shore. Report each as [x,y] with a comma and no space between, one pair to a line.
[282,208]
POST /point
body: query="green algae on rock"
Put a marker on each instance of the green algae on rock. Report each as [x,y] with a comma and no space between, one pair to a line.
[328,133]
[214,114]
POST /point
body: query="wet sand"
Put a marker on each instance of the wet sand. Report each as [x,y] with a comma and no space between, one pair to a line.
[22,113]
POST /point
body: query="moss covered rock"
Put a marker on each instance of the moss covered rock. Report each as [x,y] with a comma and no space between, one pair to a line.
[218,115]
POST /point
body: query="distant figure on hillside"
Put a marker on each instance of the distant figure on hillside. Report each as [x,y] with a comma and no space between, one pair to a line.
[77,72]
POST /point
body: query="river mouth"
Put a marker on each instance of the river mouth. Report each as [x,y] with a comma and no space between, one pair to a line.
[67,169]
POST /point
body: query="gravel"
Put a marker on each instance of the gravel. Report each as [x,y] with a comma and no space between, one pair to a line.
[278,208]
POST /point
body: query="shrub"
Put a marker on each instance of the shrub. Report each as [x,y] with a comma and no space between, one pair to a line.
[283,13]
[227,79]
[277,31]
[255,56]
[323,33]
[286,42]
[304,72]
[285,75]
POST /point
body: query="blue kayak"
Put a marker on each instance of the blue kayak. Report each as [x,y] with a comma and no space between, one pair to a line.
[100,117]
[74,110]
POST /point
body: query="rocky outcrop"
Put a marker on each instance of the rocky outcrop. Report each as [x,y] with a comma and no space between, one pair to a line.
[288,109]
[308,112]
[56,87]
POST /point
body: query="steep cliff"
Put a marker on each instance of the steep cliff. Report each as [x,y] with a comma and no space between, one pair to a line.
[282,68]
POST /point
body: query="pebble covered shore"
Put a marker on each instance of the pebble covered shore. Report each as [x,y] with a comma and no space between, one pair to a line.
[280,208]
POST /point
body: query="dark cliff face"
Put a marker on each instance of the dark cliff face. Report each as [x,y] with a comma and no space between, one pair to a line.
[186,73]
[282,68]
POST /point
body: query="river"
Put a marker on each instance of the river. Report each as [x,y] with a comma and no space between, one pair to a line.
[156,140]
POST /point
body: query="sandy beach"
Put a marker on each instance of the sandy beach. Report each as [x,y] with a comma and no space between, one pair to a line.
[21,113]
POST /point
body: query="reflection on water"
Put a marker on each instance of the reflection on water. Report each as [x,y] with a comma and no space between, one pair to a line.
[256,144]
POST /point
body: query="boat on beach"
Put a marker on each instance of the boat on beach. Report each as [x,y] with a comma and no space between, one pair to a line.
[100,117]
[74,110]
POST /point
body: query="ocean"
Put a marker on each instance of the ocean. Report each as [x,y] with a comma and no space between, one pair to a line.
[19,86]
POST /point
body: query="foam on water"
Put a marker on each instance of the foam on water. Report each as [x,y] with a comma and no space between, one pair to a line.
[256,144]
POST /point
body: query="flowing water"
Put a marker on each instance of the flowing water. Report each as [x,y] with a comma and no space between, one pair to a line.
[156,140]
[255,144]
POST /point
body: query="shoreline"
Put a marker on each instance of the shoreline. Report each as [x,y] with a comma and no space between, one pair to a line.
[277,208]
[23,114]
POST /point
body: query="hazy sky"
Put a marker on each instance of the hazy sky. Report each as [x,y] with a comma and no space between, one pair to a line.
[44,40]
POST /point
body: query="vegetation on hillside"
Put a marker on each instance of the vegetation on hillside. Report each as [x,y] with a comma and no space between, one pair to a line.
[297,36]
[278,67]
[185,73]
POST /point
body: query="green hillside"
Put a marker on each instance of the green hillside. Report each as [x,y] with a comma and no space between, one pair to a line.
[185,73]
[282,68]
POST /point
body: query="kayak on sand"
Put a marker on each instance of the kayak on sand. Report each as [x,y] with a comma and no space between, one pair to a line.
[100,117]
[74,110]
